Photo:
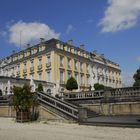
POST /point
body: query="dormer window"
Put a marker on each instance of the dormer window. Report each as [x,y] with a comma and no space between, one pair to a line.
[68,49]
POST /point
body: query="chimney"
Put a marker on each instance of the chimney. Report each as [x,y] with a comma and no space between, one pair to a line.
[13,51]
[82,46]
[94,52]
[28,45]
[102,55]
[42,40]
[70,42]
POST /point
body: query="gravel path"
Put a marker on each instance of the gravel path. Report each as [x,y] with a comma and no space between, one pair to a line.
[10,130]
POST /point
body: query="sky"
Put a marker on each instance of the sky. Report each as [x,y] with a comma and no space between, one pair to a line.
[112,27]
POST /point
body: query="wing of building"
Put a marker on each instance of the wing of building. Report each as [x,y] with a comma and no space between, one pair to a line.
[55,61]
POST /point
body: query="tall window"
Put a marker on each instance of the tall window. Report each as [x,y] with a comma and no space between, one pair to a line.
[40,76]
[48,59]
[69,63]
[76,77]
[32,76]
[69,74]
[82,79]
[39,61]
[32,51]
[32,63]
[88,80]
[61,76]
[18,67]
[81,66]
[48,76]
[76,64]
[87,66]
[24,65]
[61,61]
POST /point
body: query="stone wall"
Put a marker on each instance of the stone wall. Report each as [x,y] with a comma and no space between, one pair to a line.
[7,111]
[4,86]
[125,108]
[44,114]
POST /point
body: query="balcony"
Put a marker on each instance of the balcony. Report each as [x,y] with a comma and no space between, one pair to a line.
[39,67]
[48,64]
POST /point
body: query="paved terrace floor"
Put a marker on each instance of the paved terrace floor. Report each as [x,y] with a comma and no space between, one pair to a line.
[125,120]
[10,130]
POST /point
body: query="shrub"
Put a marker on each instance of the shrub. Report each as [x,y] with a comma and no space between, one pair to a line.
[98,86]
[71,84]
[40,87]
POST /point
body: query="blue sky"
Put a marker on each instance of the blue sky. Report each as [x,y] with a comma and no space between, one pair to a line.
[112,27]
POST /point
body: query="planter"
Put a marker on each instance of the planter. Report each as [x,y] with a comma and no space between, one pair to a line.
[23,116]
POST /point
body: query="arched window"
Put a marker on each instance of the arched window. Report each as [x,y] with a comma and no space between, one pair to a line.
[49,91]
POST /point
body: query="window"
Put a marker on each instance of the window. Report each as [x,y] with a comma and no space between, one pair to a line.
[48,59]
[76,77]
[69,63]
[32,51]
[82,78]
[32,63]
[75,51]
[61,61]
[40,48]
[87,68]
[32,76]
[24,65]
[68,49]
[49,91]
[69,75]
[61,76]
[39,61]
[81,66]
[88,80]
[48,76]
[18,67]
[40,76]
[76,64]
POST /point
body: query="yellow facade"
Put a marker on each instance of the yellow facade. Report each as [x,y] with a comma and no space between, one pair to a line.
[44,62]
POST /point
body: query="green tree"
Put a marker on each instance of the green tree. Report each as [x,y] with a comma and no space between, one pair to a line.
[71,84]
[137,78]
[98,86]
[40,87]
[24,100]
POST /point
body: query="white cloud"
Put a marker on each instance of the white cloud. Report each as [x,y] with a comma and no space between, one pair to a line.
[70,29]
[120,15]
[30,32]
[127,79]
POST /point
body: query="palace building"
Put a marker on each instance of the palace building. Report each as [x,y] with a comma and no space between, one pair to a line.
[55,61]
